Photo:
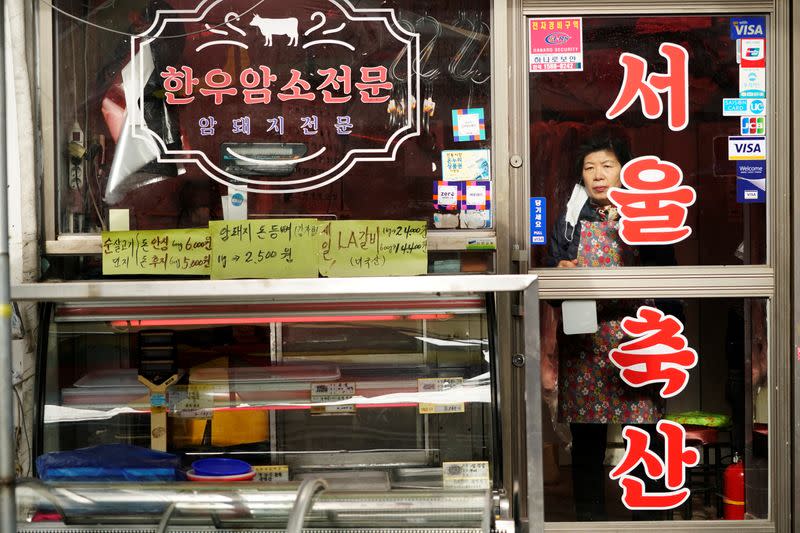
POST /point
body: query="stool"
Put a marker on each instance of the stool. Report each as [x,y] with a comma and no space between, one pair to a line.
[706,439]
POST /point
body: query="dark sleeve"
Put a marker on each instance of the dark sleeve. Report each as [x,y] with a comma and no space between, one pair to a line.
[561,248]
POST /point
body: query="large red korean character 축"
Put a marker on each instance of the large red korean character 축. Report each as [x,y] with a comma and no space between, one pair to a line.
[653,207]
[675,83]
[673,468]
[659,353]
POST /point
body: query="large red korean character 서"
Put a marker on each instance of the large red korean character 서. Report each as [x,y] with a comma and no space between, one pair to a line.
[659,353]
[672,468]
[653,206]
[675,83]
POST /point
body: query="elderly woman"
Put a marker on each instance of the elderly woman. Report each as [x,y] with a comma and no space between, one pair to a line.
[591,394]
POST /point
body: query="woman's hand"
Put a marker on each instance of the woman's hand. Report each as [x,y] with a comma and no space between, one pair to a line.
[568,264]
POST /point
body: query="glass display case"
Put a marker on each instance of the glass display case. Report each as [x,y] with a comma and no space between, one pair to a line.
[394,396]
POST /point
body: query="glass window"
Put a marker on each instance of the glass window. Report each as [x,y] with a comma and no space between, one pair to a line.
[673,374]
[247,95]
[317,386]
[593,107]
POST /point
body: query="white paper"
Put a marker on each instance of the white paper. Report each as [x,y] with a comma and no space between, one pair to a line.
[579,316]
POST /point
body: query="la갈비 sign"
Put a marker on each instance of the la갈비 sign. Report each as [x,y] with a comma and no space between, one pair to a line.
[274,97]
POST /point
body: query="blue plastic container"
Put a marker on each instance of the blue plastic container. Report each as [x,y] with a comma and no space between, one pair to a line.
[220,467]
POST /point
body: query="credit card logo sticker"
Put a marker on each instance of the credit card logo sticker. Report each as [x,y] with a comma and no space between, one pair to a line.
[747,27]
[745,148]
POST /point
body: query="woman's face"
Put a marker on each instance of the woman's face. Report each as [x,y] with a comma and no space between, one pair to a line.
[601,172]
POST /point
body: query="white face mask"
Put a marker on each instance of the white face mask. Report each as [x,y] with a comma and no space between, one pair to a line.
[576,202]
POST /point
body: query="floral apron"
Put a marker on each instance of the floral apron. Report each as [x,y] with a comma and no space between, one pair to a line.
[590,389]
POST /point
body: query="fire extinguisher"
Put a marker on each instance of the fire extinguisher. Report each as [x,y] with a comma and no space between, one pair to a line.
[733,490]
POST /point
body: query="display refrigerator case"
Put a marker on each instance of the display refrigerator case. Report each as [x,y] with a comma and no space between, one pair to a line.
[357,404]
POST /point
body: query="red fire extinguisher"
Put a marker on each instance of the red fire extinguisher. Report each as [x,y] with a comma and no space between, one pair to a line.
[733,490]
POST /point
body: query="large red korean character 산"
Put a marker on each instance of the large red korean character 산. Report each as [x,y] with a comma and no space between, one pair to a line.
[673,468]
[176,81]
[296,86]
[659,353]
[341,83]
[675,83]
[256,85]
[218,84]
[373,81]
[653,207]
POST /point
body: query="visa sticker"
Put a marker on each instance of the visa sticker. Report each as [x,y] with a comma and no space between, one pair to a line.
[538,219]
[747,148]
[748,27]
[751,182]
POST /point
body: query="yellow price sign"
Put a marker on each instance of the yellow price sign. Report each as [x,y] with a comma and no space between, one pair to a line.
[277,248]
[173,252]
[350,248]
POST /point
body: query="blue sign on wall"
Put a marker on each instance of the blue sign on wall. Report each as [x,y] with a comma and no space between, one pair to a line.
[538,220]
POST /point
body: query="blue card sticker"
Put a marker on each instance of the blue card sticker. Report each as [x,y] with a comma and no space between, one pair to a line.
[538,214]
[751,181]
[748,27]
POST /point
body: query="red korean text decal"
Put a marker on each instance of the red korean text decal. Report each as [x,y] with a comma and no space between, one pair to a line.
[659,353]
[675,83]
[653,206]
[672,468]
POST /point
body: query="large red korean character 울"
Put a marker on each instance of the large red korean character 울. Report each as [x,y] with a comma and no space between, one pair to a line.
[218,82]
[296,86]
[675,83]
[373,81]
[659,353]
[673,468]
[176,81]
[653,206]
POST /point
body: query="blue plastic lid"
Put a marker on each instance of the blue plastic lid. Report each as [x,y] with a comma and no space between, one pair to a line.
[220,467]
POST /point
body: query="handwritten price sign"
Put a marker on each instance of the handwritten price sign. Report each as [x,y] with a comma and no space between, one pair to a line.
[278,248]
[351,248]
[157,252]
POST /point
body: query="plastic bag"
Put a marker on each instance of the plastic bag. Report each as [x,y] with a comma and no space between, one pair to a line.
[108,462]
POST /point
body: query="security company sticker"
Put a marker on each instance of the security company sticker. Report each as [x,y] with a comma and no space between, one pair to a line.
[466,475]
[752,83]
[753,53]
[439,385]
[751,181]
[332,392]
[272,473]
[735,107]
[747,148]
[753,126]
[748,27]
[556,44]
[538,214]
